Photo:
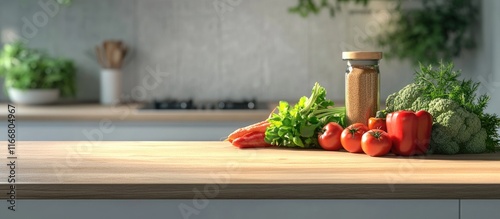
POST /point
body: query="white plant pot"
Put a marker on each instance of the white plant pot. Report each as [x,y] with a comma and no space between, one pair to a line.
[33,96]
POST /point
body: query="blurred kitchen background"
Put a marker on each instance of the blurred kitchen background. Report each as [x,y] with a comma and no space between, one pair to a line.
[230,49]
[251,49]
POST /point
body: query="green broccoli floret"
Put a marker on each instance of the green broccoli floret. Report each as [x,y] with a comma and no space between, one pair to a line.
[440,106]
[450,121]
[403,99]
[471,125]
[476,143]
[474,123]
[465,134]
[455,130]
[444,147]
[420,103]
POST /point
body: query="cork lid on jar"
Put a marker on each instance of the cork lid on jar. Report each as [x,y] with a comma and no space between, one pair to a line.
[361,55]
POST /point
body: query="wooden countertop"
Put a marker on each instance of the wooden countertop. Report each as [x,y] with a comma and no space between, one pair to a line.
[127,112]
[186,170]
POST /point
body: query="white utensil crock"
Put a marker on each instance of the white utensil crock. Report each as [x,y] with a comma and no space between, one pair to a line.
[111,86]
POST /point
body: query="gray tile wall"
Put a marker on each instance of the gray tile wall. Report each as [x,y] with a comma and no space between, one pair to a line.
[249,48]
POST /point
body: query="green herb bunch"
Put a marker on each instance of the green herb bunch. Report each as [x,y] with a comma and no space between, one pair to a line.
[443,82]
[299,125]
[25,68]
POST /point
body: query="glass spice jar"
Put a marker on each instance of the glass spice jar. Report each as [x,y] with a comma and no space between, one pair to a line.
[362,86]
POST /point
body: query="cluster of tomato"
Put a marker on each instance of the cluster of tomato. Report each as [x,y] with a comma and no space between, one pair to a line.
[357,138]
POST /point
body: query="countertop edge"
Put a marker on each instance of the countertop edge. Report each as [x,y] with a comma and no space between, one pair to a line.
[254,191]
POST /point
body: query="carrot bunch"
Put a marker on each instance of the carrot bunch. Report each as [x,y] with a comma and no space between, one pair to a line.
[250,136]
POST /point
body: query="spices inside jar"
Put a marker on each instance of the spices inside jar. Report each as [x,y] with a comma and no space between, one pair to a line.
[362,86]
[362,94]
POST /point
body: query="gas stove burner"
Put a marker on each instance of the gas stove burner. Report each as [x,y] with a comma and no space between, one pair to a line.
[174,104]
[248,105]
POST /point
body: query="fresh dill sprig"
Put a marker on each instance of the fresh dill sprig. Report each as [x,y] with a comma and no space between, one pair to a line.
[444,82]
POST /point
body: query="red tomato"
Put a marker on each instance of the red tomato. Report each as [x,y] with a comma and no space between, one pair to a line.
[351,137]
[376,143]
[377,123]
[329,139]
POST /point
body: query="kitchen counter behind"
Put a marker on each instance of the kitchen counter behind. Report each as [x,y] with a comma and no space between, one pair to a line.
[150,170]
[128,112]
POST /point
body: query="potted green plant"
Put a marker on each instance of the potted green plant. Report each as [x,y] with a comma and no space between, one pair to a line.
[33,77]
[420,31]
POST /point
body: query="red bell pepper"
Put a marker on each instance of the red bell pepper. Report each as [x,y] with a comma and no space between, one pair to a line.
[410,132]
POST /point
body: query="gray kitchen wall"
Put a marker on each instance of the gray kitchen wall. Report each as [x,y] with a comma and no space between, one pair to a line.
[206,49]
[215,49]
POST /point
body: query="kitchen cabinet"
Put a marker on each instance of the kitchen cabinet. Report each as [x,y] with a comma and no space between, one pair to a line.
[241,209]
[479,209]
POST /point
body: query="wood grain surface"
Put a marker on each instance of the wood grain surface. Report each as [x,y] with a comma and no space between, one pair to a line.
[184,170]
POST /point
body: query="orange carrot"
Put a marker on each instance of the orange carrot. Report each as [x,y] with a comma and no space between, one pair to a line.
[251,140]
[257,127]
